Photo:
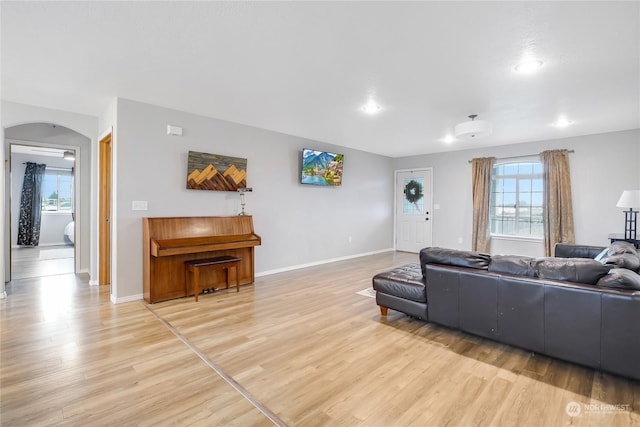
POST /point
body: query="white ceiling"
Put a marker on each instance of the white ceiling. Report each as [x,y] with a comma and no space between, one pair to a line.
[305,68]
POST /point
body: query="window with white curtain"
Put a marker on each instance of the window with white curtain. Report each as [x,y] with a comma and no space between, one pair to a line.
[57,191]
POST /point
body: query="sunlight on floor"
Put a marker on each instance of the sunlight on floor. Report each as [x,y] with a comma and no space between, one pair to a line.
[56,297]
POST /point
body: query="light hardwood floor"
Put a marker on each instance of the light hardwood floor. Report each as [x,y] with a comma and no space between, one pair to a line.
[39,261]
[299,348]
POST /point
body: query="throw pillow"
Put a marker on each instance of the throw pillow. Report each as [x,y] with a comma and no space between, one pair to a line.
[620,247]
[626,260]
[578,270]
[620,278]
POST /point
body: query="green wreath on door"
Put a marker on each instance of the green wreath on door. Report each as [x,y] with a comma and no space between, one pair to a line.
[413,193]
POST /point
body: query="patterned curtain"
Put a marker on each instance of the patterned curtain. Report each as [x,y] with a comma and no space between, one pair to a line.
[558,208]
[481,183]
[31,205]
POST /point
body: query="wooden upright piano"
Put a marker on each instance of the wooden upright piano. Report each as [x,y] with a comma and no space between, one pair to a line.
[170,241]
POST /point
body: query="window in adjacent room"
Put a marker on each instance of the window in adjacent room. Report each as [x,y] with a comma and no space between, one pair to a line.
[516,199]
[57,191]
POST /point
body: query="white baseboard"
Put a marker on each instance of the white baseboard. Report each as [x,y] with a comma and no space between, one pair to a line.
[130,298]
[138,297]
[3,295]
[93,282]
[326,261]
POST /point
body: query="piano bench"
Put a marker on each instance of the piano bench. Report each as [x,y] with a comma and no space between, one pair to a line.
[194,266]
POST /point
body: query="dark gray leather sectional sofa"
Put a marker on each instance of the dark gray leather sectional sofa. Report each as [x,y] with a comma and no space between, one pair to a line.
[571,307]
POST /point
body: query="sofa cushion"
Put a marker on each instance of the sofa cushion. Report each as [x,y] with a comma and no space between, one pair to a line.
[512,264]
[620,278]
[403,282]
[455,257]
[578,270]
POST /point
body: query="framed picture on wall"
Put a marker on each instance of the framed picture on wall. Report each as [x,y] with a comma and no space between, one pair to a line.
[215,172]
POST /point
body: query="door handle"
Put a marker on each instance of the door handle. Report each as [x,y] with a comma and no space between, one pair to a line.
[108,220]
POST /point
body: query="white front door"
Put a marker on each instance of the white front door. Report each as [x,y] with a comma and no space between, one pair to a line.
[413,209]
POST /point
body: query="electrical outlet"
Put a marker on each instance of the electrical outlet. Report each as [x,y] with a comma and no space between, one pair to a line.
[350,239]
[460,240]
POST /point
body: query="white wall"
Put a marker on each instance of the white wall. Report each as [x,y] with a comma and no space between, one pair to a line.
[299,224]
[304,224]
[602,167]
[17,114]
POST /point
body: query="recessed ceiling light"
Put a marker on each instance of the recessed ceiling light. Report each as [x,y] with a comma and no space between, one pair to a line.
[448,139]
[528,66]
[371,107]
[563,122]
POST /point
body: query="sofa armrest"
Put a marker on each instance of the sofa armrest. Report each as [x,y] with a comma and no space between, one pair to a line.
[620,348]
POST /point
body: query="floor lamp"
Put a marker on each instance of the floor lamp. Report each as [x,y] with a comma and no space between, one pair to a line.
[630,199]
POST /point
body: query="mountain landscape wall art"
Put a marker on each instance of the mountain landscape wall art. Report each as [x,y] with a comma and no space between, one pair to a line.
[215,172]
[321,168]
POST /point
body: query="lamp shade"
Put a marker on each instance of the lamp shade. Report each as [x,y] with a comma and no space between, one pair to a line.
[629,199]
[473,129]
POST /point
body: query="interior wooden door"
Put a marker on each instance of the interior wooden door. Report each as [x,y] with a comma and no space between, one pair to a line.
[104,255]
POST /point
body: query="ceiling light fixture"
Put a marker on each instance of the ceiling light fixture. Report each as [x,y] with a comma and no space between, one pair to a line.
[528,66]
[371,107]
[69,155]
[473,128]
